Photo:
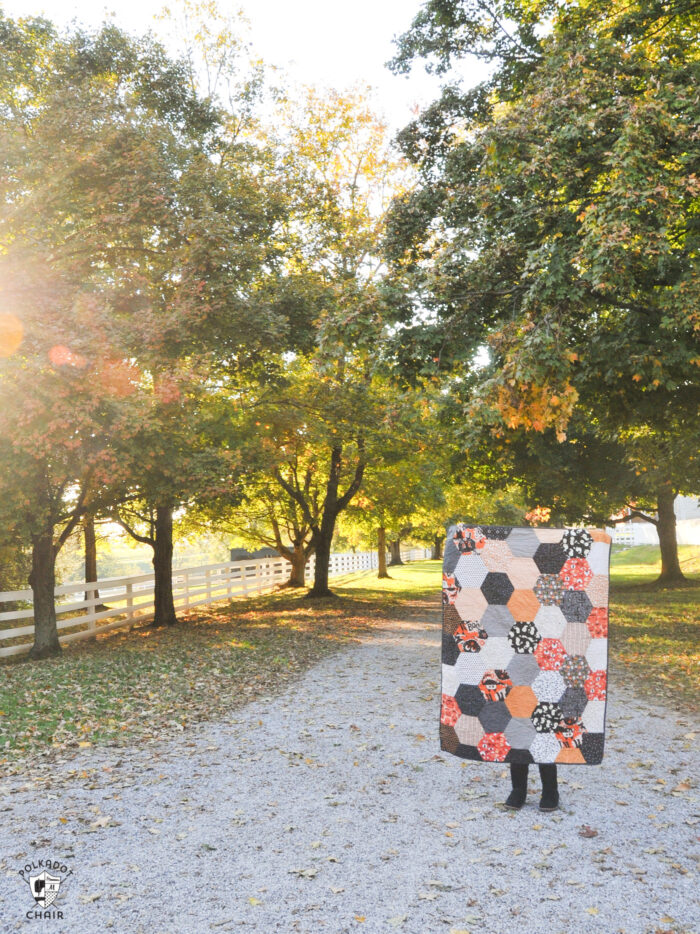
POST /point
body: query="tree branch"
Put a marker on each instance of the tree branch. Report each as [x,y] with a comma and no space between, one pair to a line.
[356,480]
[144,539]
[296,496]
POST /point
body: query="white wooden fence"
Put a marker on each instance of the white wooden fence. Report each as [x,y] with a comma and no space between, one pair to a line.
[130,599]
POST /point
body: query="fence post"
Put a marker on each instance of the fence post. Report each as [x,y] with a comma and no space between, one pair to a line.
[92,624]
[129,600]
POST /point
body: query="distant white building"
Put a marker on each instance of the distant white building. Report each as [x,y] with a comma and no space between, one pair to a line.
[639,532]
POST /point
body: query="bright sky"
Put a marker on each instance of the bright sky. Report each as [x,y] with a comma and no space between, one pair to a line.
[315,41]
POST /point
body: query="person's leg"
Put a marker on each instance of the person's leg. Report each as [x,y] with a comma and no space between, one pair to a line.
[550,793]
[518,777]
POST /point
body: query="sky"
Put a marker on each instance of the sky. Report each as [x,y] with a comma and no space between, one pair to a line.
[337,44]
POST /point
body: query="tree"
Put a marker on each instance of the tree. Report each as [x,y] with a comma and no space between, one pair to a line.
[267,515]
[130,236]
[555,224]
[329,410]
[406,482]
[314,439]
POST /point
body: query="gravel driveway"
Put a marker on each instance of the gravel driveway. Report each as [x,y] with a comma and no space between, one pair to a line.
[331,808]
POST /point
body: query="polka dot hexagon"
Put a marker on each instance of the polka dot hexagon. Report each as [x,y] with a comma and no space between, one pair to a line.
[524,644]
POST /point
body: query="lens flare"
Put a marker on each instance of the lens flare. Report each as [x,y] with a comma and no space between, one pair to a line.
[60,355]
[11,333]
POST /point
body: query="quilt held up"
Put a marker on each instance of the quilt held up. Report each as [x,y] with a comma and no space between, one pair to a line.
[524,644]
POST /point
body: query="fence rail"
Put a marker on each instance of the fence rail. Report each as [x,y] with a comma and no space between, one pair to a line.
[84,610]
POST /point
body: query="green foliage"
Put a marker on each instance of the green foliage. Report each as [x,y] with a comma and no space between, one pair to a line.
[556,224]
[133,233]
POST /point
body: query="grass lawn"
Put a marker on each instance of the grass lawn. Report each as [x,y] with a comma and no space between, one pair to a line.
[133,685]
[655,634]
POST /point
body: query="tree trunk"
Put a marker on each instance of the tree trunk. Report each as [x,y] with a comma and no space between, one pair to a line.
[381,552]
[42,580]
[666,527]
[90,558]
[296,578]
[163,568]
[323,536]
[395,548]
[437,548]
[322,550]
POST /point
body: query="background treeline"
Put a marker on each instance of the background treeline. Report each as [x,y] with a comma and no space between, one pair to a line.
[233,308]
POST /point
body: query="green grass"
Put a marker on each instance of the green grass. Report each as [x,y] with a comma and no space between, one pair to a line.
[654,644]
[644,561]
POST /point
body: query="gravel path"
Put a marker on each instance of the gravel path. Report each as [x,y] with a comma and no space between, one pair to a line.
[331,808]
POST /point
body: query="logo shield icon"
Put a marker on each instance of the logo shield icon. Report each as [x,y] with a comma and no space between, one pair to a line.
[44,888]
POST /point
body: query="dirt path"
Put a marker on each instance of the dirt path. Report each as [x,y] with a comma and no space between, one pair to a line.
[331,808]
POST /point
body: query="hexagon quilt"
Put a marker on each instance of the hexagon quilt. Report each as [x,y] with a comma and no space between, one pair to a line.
[524,644]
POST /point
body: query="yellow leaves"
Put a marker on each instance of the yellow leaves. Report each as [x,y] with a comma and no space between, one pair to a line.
[637,377]
[252,900]
[538,515]
[535,407]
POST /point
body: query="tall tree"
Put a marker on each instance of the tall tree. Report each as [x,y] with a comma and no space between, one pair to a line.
[130,235]
[555,224]
[339,172]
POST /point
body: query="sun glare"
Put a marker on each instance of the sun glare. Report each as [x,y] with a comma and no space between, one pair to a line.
[11,333]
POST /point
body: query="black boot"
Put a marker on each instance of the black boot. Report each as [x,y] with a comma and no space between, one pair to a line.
[550,794]
[518,777]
